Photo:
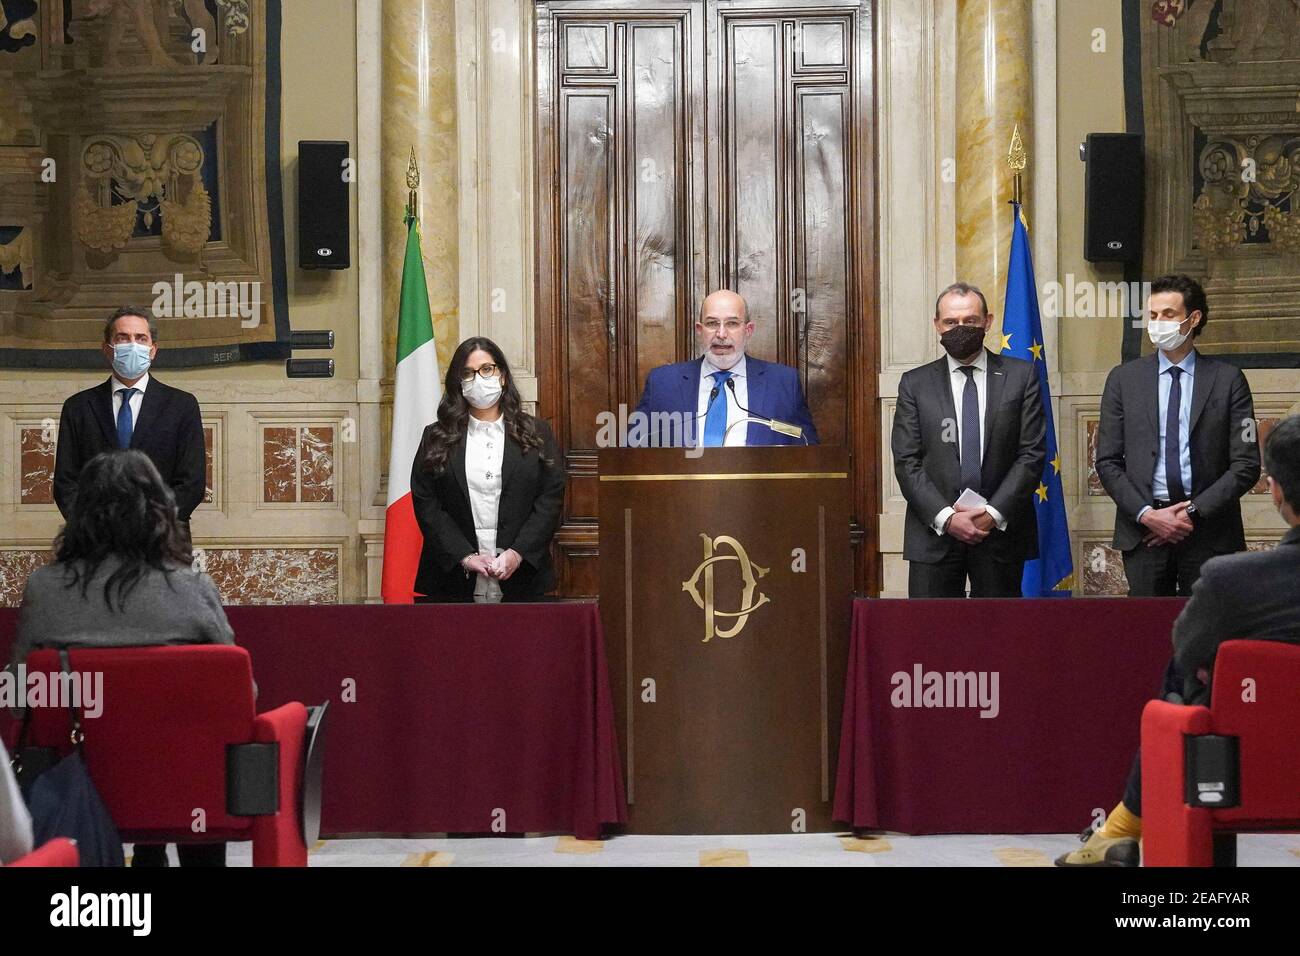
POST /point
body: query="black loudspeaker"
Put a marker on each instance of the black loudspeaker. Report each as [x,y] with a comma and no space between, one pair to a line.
[1113,198]
[324,217]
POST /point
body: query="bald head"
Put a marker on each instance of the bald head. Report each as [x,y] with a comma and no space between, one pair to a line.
[723,328]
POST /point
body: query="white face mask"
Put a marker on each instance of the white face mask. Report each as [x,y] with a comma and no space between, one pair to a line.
[1165,335]
[483,392]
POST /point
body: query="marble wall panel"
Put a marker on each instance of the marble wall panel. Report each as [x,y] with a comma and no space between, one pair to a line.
[15,565]
[286,575]
[36,465]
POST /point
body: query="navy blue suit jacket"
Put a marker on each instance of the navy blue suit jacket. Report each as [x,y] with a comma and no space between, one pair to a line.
[169,430]
[774,392]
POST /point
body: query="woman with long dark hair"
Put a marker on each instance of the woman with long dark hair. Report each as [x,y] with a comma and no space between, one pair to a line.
[487,485]
[122,577]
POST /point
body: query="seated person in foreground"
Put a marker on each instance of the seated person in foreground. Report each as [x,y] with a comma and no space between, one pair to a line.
[122,577]
[15,821]
[1251,595]
[698,402]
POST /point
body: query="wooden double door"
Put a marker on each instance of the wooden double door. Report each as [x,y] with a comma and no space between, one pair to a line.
[685,146]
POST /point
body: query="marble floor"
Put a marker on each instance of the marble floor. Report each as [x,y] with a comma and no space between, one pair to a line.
[812,849]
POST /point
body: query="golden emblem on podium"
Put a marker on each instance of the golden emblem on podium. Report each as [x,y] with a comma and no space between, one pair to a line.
[749,572]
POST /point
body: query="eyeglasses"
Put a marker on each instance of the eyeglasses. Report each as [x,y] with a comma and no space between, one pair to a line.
[485,371]
[731,325]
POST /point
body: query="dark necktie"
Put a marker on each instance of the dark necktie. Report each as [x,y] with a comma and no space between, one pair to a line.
[124,423]
[1173,456]
[715,422]
[970,431]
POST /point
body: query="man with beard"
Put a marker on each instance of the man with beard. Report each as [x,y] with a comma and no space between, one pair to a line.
[704,402]
[969,447]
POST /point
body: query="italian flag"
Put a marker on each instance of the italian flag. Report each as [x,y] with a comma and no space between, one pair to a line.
[416,391]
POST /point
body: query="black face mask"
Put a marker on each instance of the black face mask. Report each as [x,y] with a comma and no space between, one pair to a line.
[962,341]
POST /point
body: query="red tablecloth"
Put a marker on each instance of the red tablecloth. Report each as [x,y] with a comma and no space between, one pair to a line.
[465,716]
[1073,677]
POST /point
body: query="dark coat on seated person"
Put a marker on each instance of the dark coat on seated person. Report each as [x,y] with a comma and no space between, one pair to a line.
[1254,595]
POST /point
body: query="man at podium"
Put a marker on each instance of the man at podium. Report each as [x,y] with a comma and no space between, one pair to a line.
[713,395]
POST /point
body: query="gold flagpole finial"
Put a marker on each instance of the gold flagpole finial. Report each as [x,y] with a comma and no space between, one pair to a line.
[1017,159]
[412,184]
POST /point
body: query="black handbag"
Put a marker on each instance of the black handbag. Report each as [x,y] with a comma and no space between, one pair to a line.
[61,796]
[28,762]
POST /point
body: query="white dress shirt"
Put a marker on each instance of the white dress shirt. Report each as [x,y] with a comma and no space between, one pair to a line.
[1159,481]
[136,400]
[484,450]
[736,437]
[957,381]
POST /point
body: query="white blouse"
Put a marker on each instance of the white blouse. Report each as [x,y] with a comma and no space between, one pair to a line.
[484,451]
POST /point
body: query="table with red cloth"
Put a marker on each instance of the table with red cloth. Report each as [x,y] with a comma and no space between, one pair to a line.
[1073,677]
[444,718]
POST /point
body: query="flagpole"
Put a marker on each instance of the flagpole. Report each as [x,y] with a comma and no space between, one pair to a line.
[416,394]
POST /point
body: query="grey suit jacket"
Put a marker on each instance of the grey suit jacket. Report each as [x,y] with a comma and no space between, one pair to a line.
[1224,464]
[928,467]
[1238,596]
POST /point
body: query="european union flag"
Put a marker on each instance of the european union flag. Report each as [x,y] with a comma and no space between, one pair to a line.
[1051,574]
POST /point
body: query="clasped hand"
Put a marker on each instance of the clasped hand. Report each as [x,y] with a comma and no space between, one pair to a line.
[970,525]
[1167,525]
[501,567]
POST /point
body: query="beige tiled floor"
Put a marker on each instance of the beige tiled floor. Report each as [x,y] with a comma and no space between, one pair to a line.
[813,849]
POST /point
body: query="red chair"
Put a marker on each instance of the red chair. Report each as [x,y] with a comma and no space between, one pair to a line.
[173,719]
[56,852]
[1182,828]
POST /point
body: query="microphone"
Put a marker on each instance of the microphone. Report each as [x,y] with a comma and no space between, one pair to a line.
[713,397]
[778,426]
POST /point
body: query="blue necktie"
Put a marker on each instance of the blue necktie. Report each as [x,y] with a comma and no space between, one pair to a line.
[715,423]
[1173,438]
[970,432]
[124,423]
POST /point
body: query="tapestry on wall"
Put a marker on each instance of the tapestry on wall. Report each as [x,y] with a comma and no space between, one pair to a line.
[140,165]
[1220,81]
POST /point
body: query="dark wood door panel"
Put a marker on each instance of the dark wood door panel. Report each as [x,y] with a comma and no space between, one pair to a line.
[753,169]
[822,267]
[587,259]
[659,261]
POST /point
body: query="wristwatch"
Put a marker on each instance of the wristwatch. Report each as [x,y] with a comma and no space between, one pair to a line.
[1193,512]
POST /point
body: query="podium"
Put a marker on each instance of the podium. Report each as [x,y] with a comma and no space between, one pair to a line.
[725,595]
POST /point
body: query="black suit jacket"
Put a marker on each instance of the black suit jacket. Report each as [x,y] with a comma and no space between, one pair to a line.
[1251,596]
[532,494]
[1224,464]
[169,431]
[928,468]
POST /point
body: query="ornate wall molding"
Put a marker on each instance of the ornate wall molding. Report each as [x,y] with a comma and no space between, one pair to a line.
[1223,168]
